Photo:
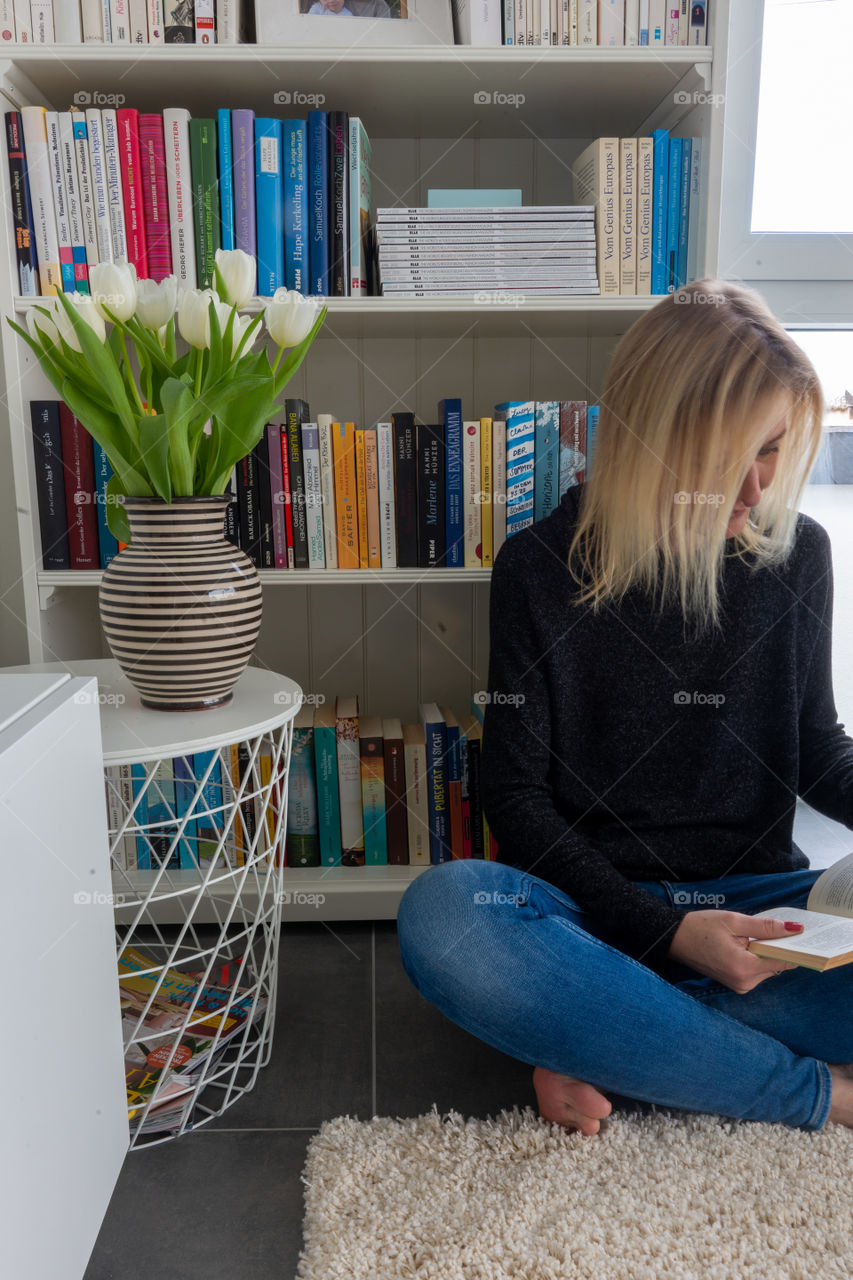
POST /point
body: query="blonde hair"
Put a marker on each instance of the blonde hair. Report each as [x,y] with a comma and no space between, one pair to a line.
[682,417]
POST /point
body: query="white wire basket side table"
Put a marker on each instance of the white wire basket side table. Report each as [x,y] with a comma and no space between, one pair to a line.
[197,812]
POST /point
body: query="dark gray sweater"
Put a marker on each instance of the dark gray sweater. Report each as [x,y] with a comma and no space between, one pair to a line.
[616,750]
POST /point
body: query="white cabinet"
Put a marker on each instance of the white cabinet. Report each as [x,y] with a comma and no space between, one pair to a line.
[65,1112]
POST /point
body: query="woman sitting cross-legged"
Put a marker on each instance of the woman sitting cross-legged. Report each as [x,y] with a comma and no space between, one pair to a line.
[660,693]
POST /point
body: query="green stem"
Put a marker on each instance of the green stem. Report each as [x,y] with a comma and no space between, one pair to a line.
[277,360]
[130,377]
[198,364]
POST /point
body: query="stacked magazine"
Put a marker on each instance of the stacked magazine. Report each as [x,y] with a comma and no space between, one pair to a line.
[166,1047]
[531,249]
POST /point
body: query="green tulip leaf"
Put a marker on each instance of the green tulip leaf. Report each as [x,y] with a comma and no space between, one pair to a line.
[117,521]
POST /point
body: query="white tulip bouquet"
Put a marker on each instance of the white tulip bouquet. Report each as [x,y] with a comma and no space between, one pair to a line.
[181,428]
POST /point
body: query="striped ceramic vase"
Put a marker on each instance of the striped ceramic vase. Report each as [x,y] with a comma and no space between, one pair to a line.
[181,605]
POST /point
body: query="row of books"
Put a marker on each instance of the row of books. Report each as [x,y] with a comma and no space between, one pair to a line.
[165,191]
[362,791]
[120,22]
[166,1047]
[434,252]
[649,210]
[325,494]
[611,23]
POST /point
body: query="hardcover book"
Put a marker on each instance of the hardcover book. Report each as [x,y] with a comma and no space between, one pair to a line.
[372,752]
[349,781]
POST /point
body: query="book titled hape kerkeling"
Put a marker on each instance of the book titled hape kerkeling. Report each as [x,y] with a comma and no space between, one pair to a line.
[165,190]
[323,493]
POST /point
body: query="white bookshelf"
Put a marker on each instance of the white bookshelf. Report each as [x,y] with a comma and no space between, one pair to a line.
[394,637]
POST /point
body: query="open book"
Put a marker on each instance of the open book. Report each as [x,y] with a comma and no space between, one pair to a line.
[827,937]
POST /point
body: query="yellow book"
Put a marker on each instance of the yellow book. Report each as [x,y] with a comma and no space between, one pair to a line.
[239,835]
[346,517]
[371,484]
[41,198]
[361,494]
[266,775]
[487,491]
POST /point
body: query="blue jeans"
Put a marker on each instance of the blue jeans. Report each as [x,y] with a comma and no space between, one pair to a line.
[517,963]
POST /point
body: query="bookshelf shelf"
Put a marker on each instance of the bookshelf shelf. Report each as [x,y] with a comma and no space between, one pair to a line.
[425,92]
[467,317]
[298,577]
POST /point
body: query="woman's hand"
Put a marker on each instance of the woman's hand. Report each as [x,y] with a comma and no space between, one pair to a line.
[715,942]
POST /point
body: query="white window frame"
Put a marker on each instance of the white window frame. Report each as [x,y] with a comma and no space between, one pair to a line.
[743,254]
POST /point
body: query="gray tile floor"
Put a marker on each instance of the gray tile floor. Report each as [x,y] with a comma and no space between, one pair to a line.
[352,1037]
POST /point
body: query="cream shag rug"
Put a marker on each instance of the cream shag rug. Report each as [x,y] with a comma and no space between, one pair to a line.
[652,1197]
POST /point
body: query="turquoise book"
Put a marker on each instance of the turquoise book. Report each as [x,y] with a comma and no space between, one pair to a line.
[328,799]
[184,794]
[673,215]
[226,178]
[296,261]
[684,211]
[107,544]
[269,206]
[660,187]
[520,442]
[140,815]
[591,426]
[303,846]
[546,461]
[210,810]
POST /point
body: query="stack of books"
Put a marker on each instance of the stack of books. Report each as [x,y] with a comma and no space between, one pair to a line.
[610,23]
[538,249]
[122,22]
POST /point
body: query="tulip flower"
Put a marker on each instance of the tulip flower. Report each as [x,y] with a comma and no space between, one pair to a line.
[194,317]
[114,289]
[238,271]
[155,303]
[289,317]
[44,323]
[87,309]
[241,324]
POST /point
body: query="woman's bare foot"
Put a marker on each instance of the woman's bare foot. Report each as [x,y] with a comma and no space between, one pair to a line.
[841,1107]
[569,1102]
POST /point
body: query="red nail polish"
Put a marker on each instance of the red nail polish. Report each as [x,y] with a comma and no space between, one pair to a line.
[793,926]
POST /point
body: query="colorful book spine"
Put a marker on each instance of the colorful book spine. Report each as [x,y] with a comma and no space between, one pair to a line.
[265,532]
[660,205]
[79,474]
[338,216]
[100,192]
[184,797]
[487,493]
[546,457]
[373,791]
[432,530]
[318,203]
[269,205]
[80,133]
[60,202]
[387,514]
[130,160]
[22,212]
[591,427]
[683,211]
[156,22]
[349,782]
[107,544]
[296,412]
[226,178]
[210,809]
[180,27]
[176,129]
[205,22]
[673,215]
[360,210]
[50,484]
[303,842]
[279,536]
[435,733]
[243,150]
[451,415]
[205,202]
[155,196]
[112,169]
[313,495]
[326,775]
[140,816]
[296,259]
[346,510]
[68,159]
[520,444]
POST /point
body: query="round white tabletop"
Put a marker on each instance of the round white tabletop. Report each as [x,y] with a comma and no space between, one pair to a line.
[262,700]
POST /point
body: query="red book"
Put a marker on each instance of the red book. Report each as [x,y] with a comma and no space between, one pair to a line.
[285,485]
[78,461]
[155,197]
[131,188]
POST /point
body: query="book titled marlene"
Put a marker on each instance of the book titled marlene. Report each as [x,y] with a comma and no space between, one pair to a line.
[827,937]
